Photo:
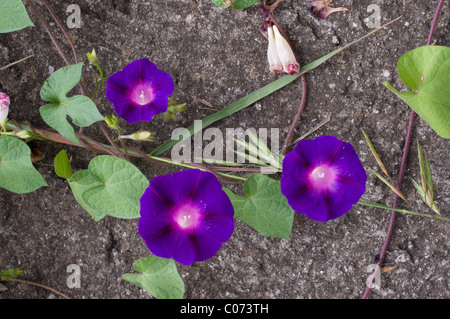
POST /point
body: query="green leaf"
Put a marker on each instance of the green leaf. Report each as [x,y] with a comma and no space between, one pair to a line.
[158,276]
[13,16]
[62,165]
[236,4]
[79,183]
[81,109]
[17,173]
[118,187]
[264,207]
[426,71]
[9,274]
[219,3]
[258,94]
[242,4]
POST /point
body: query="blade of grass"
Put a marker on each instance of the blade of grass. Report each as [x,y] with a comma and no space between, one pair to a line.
[429,180]
[394,189]
[375,154]
[422,169]
[403,211]
[264,152]
[251,159]
[259,94]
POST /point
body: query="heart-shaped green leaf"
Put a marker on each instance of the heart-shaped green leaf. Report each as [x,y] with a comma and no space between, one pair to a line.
[264,207]
[17,173]
[158,276]
[13,16]
[115,188]
[426,71]
[81,109]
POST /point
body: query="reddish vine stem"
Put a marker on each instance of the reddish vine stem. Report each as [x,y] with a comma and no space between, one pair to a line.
[95,145]
[47,28]
[200,166]
[297,117]
[61,53]
[62,29]
[41,286]
[402,166]
[74,52]
[109,138]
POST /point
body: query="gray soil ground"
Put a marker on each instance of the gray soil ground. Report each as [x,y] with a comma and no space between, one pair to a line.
[219,56]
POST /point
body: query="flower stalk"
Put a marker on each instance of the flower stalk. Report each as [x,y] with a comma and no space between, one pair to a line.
[403,163]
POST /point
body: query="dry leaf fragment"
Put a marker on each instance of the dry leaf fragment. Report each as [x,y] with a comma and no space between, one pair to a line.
[388,268]
[36,155]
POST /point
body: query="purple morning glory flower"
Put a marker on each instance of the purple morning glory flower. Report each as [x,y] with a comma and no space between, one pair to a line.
[139,91]
[323,178]
[185,216]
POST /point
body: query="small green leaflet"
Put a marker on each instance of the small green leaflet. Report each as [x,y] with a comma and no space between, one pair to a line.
[236,4]
[112,186]
[81,109]
[17,173]
[62,165]
[264,207]
[426,71]
[10,274]
[158,276]
[13,16]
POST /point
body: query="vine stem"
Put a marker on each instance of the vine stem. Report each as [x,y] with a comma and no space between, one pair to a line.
[402,167]
[39,285]
[62,29]
[47,28]
[297,117]
[267,11]
[99,147]
[61,52]
[110,140]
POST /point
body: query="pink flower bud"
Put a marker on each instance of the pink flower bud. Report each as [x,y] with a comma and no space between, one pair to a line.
[321,10]
[4,107]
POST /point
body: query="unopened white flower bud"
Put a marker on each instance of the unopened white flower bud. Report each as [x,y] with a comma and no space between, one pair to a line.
[23,135]
[272,52]
[285,53]
[142,136]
